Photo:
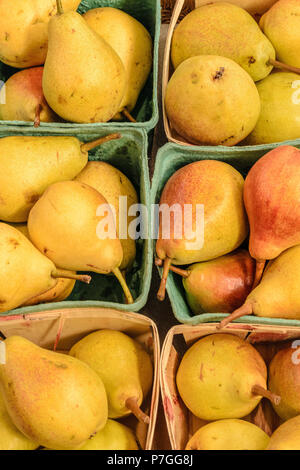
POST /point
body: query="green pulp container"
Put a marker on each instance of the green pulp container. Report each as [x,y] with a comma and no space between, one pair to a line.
[128,154]
[171,158]
[146,110]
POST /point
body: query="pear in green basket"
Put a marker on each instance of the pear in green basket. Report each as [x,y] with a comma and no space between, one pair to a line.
[25,272]
[10,437]
[24,30]
[52,398]
[226,30]
[114,436]
[287,436]
[123,365]
[218,188]
[28,165]
[113,185]
[210,109]
[281,24]
[95,92]
[74,226]
[280,108]
[222,376]
[133,44]
[22,98]
[229,434]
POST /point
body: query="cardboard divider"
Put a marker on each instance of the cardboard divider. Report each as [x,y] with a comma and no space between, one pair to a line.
[41,328]
[181,423]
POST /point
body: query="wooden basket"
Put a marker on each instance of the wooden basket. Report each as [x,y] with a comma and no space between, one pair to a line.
[181,423]
[167,9]
[42,328]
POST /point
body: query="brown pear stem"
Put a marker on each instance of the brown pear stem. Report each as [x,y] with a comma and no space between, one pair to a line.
[259,269]
[245,309]
[60,10]
[128,116]
[162,288]
[132,404]
[68,275]
[94,143]
[37,119]
[259,390]
[182,272]
[281,65]
[122,281]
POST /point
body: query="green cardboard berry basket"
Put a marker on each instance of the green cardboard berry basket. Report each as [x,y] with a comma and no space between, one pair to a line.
[169,159]
[146,110]
[128,154]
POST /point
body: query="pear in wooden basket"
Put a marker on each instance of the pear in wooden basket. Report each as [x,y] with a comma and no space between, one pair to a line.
[254,7]
[287,436]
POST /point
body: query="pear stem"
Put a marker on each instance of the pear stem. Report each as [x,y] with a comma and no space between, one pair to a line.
[122,281]
[94,143]
[245,309]
[259,269]
[182,272]
[68,275]
[128,116]
[132,404]
[37,119]
[281,65]
[162,288]
[60,10]
[259,390]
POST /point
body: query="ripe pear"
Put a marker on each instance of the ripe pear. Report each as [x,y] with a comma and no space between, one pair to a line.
[10,437]
[123,365]
[280,107]
[113,185]
[229,434]
[219,188]
[254,7]
[24,30]
[226,30]
[52,398]
[96,92]
[114,436]
[219,285]
[133,44]
[210,109]
[284,380]
[23,98]
[277,294]
[222,376]
[24,175]
[281,24]
[287,436]
[25,272]
[69,210]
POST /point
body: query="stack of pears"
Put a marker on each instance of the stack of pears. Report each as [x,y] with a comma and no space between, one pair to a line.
[43,203]
[212,48]
[85,388]
[109,51]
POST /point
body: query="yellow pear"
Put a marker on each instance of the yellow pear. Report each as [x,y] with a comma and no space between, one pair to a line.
[52,398]
[226,30]
[95,92]
[254,7]
[123,365]
[280,107]
[287,436]
[229,434]
[73,212]
[24,30]
[114,436]
[113,184]
[222,376]
[133,44]
[10,437]
[281,24]
[25,272]
[210,109]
